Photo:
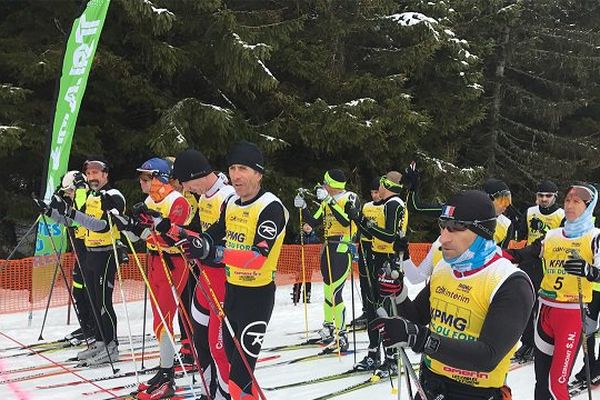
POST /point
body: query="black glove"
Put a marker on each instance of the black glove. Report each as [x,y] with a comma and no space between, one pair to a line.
[579,267]
[43,207]
[194,247]
[106,201]
[536,224]
[390,283]
[79,181]
[401,246]
[401,332]
[410,177]
[60,205]
[352,212]
[124,222]
[144,215]
[163,226]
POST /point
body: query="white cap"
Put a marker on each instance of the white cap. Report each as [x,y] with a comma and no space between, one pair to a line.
[68,180]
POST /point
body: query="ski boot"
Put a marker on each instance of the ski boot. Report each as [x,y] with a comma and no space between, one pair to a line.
[161,385]
[339,344]
[388,367]
[524,354]
[326,333]
[106,354]
[370,363]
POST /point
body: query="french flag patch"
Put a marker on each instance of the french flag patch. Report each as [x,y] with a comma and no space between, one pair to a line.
[448,211]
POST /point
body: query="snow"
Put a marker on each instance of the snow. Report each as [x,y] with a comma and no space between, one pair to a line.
[158,11]
[411,18]
[216,108]
[249,46]
[267,70]
[272,138]
[354,103]
[286,319]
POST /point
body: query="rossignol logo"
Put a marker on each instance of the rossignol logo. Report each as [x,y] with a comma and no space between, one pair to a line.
[253,336]
[267,230]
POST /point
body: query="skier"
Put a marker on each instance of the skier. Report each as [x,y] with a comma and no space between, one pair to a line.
[167,270]
[571,256]
[500,194]
[369,210]
[309,236]
[100,263]
[247,239]
[336,257]
[545,215]
[197,176]
[390,220]
[469,306]
[73,189]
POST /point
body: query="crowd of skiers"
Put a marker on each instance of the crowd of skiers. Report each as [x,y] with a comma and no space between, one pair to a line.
[213,244]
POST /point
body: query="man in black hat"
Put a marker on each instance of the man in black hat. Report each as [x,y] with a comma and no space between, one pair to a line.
[247,239]
[389,221]
[196,175]
[468,305]
[539,219]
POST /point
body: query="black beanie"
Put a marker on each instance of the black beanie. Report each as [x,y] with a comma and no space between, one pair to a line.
[248,154]
[547,187]
[493,186]
[472,206]
[190,164]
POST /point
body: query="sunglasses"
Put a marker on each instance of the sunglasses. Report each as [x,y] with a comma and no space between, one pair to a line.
[544,194]
[454,225]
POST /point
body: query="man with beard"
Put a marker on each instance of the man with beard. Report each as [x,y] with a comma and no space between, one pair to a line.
[101,265]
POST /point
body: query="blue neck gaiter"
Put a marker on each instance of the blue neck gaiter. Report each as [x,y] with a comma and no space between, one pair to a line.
[476,256]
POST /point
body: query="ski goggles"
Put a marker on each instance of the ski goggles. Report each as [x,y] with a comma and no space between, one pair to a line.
[503,198]
[390,185]
[95,164]
[584,193]
[455,225]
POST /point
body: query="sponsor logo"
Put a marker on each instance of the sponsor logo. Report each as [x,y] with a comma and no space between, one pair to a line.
[464,288]
[235,236]
[449,319]
[466,373]
[253,334]
[267,230]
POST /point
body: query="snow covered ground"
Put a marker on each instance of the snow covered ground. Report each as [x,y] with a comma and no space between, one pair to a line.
[287,319]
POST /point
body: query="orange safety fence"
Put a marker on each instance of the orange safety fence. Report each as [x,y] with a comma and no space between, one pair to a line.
[18,294]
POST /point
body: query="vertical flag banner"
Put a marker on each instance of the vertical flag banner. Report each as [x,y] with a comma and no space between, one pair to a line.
[79,54]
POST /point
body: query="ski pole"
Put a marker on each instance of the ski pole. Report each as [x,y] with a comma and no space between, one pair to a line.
[161,316]
[352,296]
[58,265]
[118,266]
[144,314]
[187,321]
[586,353]
[216,307]
[303,274]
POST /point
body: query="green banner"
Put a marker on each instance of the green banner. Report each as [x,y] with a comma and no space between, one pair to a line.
[79,54]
